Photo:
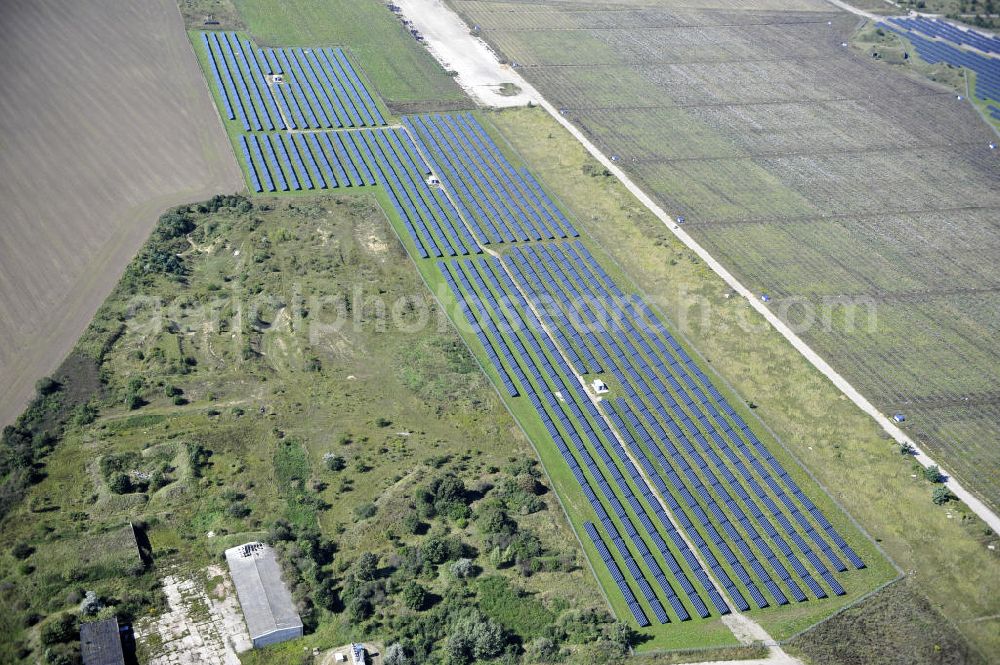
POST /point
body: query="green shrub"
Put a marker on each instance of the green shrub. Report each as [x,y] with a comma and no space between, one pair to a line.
[120,483]
[238,510]
[63,628]
[942,495]
[414,596]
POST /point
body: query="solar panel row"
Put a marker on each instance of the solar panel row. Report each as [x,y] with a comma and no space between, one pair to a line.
[326,160]
[616,574]
[745,441]
[987,69]
[527,266]
[944,30]
[501,203]
[319,88]
[628,353]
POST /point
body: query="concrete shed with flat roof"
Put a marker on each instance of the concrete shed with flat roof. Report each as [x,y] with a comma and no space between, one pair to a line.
[101,643]
[267,605]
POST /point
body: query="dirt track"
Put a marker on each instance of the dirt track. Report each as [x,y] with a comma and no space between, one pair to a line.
[105,121]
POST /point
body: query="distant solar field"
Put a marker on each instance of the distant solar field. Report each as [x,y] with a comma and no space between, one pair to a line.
[939,41]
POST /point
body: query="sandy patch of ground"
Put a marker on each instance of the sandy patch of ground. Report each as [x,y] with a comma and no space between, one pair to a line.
[105,121]
[479,70]
[199,627]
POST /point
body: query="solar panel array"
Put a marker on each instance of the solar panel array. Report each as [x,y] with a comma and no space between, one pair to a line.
[530,361]
[944,30]
[502,203]
[319,88]
[750,523]
[987,68]
[685,498]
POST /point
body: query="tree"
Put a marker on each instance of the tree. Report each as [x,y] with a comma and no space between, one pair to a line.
[412,522]
[47,386]
[366,566]
[414,596]
[22,551]
[459,648]
[488,639]
[543,649]
[62,654]
[501,557]
[91,604]
[474,637]
[84,414]
[158,480]
[63,628]
[173,225]
[494,520]
[120,483]
[448,490]
[942,495]
[238,510]
[281,530]
[622,636]
[326,595]
[933,474]
[395,655]
[334,462]
[463,568]
[359,608]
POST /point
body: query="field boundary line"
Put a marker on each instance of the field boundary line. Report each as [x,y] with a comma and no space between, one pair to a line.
[977,506]
[896,580]
[211,95]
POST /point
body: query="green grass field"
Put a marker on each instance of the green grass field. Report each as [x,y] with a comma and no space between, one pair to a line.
[249,367]
[401,70]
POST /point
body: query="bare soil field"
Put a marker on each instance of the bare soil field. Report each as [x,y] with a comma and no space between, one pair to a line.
[834,185]
[105,121]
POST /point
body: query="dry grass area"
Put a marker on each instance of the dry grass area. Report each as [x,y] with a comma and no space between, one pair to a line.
[105,121]
[895,627]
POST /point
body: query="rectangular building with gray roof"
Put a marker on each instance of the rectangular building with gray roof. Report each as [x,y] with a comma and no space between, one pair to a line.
[101,643]
[267,605]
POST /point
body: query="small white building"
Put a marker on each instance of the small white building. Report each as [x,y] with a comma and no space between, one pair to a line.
[267,604]
[357,654]
[599,386]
